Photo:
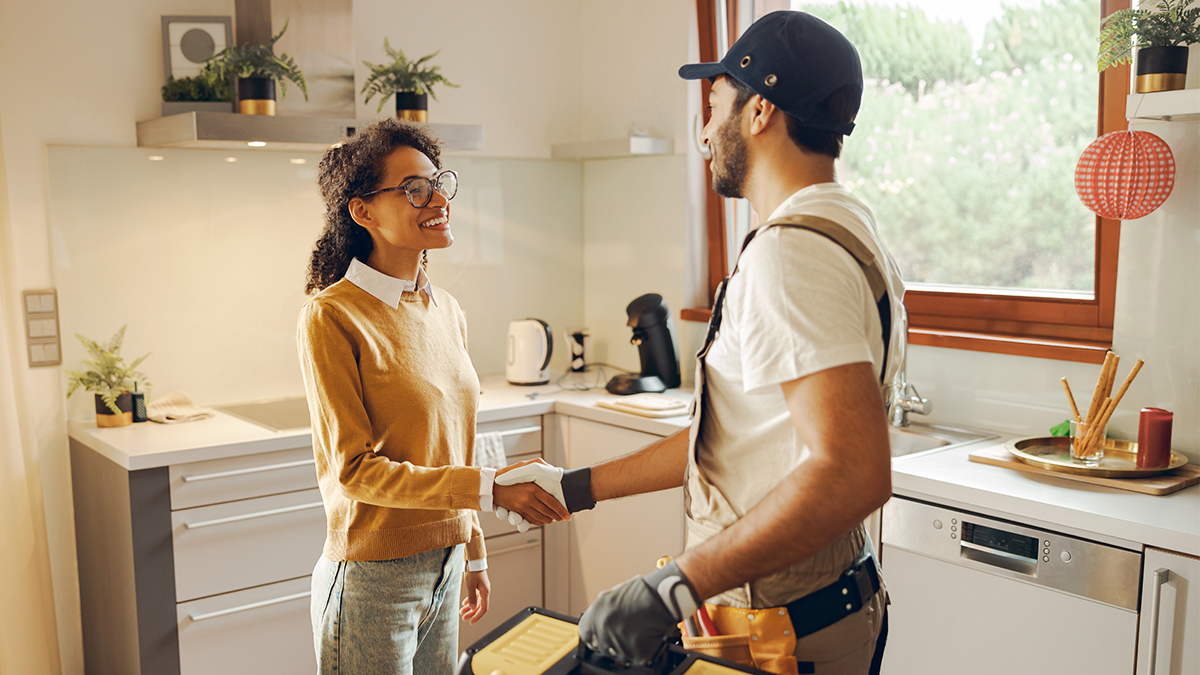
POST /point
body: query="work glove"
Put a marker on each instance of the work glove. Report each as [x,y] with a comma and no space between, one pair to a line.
[631,622]
[572,489]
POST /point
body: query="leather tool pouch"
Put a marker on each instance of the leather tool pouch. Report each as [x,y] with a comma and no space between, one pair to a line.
[759,638]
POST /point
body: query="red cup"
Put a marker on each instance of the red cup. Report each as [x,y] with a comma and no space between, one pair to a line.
[1154,438]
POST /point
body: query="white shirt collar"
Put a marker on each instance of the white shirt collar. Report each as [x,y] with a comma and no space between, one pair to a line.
[387,289]
[793,201]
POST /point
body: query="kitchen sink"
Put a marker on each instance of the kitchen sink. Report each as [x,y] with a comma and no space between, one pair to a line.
[919,437]
[284,414]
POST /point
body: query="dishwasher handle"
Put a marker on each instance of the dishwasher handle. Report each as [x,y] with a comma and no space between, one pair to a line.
[1161,576]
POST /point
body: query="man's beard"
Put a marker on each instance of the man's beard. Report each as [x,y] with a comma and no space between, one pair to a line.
[730,164]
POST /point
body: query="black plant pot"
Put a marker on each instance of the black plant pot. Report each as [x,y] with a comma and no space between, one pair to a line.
[1161,69]
[105,417]
[412,107]
[256,96]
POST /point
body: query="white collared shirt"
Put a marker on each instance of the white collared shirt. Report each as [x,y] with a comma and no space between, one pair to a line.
[387,290]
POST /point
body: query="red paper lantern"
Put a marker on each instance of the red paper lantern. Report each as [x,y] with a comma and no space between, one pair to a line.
[1125,174]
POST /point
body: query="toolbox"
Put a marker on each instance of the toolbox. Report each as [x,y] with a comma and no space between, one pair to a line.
[536,641]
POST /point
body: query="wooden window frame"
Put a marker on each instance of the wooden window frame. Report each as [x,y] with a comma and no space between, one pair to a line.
[1057,328]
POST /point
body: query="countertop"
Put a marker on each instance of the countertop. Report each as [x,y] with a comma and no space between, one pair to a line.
[1104,514]
[150,445]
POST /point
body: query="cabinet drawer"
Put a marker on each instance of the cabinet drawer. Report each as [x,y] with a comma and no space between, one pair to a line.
[228,547]
[522,436]
[226,480]
[259,630]
[515,571]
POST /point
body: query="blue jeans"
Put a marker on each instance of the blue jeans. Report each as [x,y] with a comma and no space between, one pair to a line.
[388,617]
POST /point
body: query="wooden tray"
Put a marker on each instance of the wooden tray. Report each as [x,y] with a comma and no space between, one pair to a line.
[1183,477]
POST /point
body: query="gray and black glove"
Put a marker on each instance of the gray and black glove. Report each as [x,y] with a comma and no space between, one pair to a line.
[631,622]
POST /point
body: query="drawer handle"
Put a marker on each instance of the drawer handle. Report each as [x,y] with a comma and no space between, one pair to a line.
[243,472]
[248,516]
[515,432]
[253,605]
[1161,576]
[514,549]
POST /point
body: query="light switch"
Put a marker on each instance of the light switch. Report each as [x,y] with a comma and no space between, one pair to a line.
[41,327]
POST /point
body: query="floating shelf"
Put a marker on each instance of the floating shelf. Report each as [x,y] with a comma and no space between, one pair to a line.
[1182,105]
[232,131]
[619,147]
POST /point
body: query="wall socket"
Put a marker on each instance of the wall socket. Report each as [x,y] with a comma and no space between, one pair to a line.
[41,327]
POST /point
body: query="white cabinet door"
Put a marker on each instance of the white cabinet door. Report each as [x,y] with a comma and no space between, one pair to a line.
[620,538]
[1174,579]
[515,571]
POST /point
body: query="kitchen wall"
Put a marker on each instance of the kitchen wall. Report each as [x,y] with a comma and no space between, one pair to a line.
[204,259]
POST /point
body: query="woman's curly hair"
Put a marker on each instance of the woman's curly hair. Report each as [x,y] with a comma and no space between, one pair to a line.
[352,169]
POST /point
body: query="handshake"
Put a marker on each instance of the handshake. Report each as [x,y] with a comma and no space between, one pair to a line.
[537,493]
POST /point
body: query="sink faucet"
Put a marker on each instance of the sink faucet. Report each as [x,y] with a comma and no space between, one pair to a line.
[905,398]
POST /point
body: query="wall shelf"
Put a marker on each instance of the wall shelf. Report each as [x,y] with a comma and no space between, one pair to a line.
[232,131]
[632,146]
[1172,106]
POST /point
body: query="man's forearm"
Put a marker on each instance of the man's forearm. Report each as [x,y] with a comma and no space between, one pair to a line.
[658,466]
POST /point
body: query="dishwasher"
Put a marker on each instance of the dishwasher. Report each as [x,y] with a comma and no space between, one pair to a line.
[973,594]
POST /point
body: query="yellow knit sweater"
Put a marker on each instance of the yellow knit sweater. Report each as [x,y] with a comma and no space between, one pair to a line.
[392,397]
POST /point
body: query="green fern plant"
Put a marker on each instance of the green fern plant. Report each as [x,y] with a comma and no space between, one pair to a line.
[244,61]
[1172,23]
[401,75]
[107,373]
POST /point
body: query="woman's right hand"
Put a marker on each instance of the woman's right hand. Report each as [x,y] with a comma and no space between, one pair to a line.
[527,499]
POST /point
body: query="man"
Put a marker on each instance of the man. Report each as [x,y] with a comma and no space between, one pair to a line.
[788,450]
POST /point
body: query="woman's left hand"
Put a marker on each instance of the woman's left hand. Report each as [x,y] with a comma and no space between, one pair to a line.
[475,605]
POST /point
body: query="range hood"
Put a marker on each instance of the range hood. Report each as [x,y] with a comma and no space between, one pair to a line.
[234,131]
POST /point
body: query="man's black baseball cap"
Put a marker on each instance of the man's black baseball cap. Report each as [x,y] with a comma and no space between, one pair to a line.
[795,61]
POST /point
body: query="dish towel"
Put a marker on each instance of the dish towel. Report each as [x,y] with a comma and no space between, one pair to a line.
[489,450]
[174,407]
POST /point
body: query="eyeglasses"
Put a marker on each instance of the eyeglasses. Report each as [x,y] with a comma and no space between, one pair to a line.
[419,190]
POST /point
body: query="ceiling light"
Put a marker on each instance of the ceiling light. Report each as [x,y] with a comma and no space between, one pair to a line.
[231,159]
[298,160]
[155,158]
[257,144]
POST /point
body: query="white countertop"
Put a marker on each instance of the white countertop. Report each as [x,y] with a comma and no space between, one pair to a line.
[1104,514]
[150,445]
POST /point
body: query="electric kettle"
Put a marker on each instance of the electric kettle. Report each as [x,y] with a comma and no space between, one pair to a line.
[529,349]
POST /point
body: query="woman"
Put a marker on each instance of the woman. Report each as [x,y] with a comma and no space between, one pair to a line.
[392,396]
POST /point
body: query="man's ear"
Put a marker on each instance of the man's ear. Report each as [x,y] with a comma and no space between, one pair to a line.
[360,212]
[763,113]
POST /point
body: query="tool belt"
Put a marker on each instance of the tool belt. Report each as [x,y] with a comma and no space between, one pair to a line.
[766,638]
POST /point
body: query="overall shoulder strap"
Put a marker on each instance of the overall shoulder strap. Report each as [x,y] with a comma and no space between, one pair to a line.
[841,236]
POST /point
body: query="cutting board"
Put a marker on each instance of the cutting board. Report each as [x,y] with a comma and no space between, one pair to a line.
[1183,477]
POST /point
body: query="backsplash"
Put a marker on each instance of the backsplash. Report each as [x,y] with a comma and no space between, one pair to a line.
[202,253]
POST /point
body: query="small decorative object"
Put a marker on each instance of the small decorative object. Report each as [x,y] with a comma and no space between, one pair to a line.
[411,83]
[1088,431]
[190,41]
[1154,438]
[1125,174]
[1162,36]
[109,378]
[256,69]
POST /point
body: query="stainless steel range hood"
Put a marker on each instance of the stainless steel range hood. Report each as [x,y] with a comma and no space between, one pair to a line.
[233,131]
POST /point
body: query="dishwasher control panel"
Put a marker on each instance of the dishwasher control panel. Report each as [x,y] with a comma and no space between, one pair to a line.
[1067,564]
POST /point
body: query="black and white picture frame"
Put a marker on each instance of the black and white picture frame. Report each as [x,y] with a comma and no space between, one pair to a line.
[189,40]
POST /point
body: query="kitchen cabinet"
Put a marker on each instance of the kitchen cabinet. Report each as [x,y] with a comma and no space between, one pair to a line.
[620,538]
[1170,603]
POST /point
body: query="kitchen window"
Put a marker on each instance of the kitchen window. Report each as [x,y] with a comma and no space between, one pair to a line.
[973,117]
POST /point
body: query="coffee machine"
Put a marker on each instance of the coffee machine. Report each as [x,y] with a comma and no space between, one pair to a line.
[654,336]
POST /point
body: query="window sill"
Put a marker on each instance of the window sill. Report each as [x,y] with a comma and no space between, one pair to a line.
[1080,351]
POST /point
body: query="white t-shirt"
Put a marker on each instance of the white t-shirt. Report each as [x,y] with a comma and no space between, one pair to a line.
[798,304]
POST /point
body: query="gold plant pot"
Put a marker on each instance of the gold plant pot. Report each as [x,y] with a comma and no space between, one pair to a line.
[106,418]
[256,96]
[1161,69]
[412,107]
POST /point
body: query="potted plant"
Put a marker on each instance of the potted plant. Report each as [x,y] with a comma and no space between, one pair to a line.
[256,69]
[411,83]
[110,379]
[1162,35]
[207,91]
